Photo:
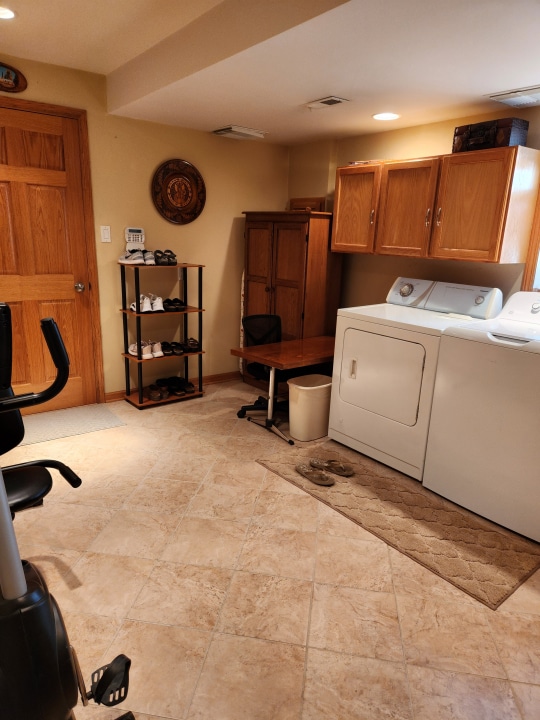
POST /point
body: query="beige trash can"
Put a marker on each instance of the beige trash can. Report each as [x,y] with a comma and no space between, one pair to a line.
[309,406]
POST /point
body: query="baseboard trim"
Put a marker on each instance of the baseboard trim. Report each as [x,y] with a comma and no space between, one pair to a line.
[208,380]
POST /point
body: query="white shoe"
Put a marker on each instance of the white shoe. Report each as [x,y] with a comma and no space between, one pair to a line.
[149,258]
[134,258]
[146,305]
[146,350]
[156,349]
[157,303]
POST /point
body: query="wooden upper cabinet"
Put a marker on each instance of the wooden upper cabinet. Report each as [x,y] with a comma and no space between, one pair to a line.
[355,207]
[485,205]
[406,207]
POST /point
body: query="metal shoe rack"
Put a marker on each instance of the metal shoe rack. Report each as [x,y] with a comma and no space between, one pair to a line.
[136,396]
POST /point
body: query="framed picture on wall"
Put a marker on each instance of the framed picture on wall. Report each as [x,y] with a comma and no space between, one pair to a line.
[11,79]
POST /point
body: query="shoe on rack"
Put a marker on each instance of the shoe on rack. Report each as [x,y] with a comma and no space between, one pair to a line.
[149,258]
[156,348]
[191,345]
[145,305]
[146,350]
[171,257]
[132,258]
[157,303]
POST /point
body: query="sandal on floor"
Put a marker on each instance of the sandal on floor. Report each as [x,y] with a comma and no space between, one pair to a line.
[334,466]
[315,476]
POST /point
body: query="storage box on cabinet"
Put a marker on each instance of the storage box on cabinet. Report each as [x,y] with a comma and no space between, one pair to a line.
[290,271]
[490,134]
[184,323]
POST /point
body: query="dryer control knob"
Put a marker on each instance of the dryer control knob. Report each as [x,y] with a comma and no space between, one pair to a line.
[478,300]
[406,290]
[535,307]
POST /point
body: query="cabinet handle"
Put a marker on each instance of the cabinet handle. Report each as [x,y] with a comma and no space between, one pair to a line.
[428,213]
[439,211]
[266,289]
[352,371]
[372,217]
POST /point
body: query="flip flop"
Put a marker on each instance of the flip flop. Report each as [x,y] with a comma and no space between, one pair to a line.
[315,476]
[333,466]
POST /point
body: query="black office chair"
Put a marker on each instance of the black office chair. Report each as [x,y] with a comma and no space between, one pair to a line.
[261,330]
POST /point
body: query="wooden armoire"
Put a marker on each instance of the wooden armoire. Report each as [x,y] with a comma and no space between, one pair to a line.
[290,271]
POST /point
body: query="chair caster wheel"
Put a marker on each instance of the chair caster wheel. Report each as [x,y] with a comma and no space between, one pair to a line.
[241,414]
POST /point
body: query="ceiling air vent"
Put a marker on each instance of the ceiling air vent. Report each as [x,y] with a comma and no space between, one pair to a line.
[524,97]
[325,102]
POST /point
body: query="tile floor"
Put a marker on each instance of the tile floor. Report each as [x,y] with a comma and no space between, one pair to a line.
[238,596]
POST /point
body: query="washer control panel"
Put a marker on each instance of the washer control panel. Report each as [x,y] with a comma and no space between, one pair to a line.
[474,301]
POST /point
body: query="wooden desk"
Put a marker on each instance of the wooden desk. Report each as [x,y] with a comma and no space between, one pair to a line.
[286,355]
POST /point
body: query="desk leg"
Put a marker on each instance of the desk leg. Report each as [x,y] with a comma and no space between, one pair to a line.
[269,423]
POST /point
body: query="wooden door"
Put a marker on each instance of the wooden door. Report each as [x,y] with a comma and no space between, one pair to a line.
[406,207]
[289,276]
[355,207]
[47,247]
[258,268]
[471,204]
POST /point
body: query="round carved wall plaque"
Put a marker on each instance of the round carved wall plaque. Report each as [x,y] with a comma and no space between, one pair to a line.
[178,191]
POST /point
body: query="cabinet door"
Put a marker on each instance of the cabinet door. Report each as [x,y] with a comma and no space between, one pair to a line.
[258,268]
[406,207]
[471,204]
[355,207]
[288,277]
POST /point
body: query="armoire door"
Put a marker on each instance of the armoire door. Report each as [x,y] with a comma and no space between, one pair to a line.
[289,276]
[47,251]
[258,269]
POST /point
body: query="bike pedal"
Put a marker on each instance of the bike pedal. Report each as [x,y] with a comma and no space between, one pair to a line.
[110,683]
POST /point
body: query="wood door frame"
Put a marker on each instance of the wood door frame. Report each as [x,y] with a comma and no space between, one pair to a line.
[80,117]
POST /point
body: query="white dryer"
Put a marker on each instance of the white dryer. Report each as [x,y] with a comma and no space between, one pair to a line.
[385,361]
[483,448]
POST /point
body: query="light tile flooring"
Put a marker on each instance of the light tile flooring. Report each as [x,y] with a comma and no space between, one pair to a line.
[238,596]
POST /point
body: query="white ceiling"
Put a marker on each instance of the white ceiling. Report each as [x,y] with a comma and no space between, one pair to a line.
[203,64]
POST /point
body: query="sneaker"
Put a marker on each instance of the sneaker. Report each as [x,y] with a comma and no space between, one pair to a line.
[145,304]
[132,258]
[157,303]
[156,349]
[149,258]
[146,350]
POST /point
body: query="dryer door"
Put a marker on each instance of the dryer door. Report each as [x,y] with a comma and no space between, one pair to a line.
[382,375]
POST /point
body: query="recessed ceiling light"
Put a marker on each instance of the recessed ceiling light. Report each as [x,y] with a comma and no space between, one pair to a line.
[385,116]
[6,14]
[239,133]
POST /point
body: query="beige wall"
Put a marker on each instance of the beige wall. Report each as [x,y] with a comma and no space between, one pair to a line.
[124,154]
[367,278]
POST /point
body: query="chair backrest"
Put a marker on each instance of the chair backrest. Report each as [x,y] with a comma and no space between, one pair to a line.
[261,329]
[11,424]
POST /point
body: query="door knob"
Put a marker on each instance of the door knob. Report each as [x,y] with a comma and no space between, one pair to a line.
[79,287]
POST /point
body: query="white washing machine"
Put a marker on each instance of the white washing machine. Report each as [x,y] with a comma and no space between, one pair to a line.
[483,448]
[384,367]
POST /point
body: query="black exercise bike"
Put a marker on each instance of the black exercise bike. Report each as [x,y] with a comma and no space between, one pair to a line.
[40,677]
